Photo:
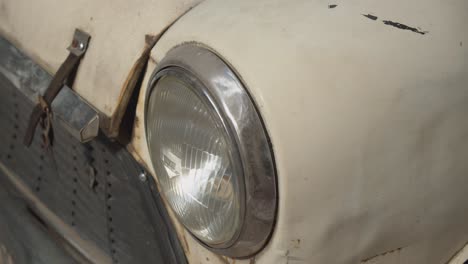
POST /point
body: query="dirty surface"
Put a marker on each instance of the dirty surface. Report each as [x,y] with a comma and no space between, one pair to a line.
[117,28]
[23,238]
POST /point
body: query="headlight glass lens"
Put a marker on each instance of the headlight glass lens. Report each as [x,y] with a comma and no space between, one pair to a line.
[194,159]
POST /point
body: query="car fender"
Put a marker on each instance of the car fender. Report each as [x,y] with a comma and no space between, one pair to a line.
[365,103]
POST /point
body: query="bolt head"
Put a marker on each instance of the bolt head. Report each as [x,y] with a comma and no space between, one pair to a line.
[142,176]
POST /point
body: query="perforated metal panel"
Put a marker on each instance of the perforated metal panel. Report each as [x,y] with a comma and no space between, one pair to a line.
[93,187]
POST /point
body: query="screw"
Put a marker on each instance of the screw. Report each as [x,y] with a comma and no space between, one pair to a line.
[76,44]
[142,176]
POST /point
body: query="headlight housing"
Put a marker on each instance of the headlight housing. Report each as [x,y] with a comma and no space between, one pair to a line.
[210,151]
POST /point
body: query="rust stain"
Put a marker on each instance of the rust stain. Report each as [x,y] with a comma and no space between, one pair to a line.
[110,125]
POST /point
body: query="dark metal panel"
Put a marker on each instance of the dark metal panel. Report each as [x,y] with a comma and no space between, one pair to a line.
[26,75]
[93,187]
[17,220]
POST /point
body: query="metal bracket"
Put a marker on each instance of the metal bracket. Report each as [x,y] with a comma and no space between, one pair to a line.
[77,116]
[64,74]
[80,43]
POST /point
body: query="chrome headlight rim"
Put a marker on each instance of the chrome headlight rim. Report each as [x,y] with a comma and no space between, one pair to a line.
[214,80]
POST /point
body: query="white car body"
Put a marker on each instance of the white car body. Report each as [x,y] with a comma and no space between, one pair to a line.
[367,118]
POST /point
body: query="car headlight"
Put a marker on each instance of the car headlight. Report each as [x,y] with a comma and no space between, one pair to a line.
[210,151]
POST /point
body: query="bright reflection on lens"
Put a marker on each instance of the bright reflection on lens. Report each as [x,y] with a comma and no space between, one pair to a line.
[192,161]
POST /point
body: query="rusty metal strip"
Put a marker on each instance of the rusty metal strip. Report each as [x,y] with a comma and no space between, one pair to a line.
[111,126]
[77,49]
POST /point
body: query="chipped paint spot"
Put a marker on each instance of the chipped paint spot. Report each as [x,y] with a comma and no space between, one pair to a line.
[371,17]
[404,27]
[332,6]
[397,24]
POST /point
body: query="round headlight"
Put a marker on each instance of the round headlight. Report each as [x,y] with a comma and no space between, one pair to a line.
[210,152]
[195,160]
